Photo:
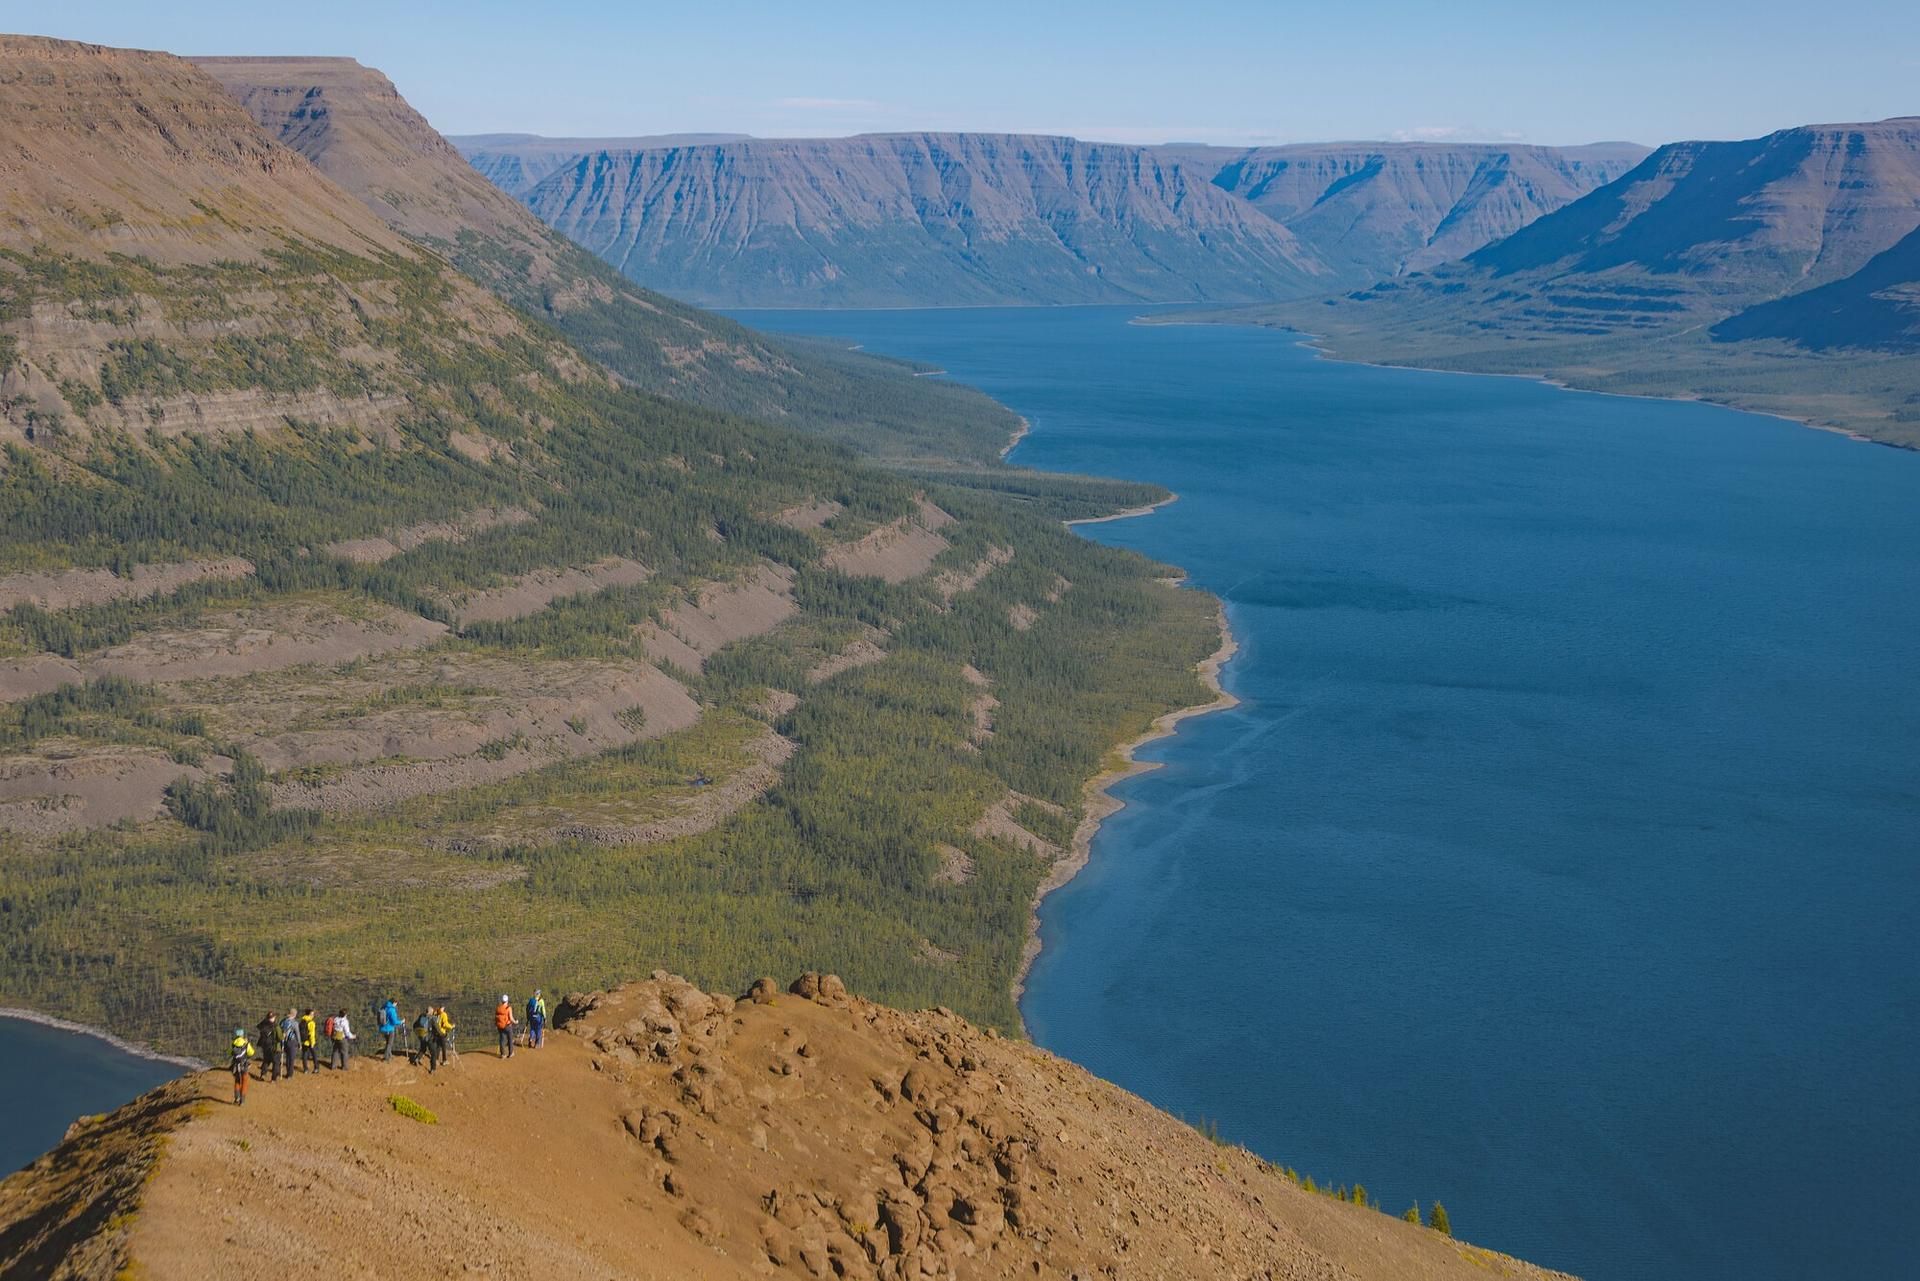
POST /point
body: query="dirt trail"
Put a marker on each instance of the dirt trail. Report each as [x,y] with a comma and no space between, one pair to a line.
[672,1133]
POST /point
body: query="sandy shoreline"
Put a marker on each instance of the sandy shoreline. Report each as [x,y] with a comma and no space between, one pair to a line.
[1128,514]
[1020,433]
[86,1029]
[1099,799]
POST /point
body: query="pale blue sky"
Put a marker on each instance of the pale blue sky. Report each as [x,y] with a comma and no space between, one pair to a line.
[1229,71]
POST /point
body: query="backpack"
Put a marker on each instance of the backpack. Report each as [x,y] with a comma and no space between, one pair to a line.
[241,1053]
[329,1027]
[503,1016]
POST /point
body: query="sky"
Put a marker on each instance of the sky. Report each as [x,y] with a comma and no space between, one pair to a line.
[1234,72]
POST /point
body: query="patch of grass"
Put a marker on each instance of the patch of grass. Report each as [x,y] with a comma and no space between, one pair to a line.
[412,1111]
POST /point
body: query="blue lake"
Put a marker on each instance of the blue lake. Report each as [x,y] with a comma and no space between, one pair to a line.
[1562,861]
[51,1076]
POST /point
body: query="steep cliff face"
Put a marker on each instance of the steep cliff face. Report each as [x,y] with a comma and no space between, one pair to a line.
[355,127]
[164,266]
[921,219]
[1384,209]
[515,162]
[673,1133]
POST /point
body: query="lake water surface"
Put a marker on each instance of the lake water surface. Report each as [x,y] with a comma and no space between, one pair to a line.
[49,1076]
[1562,860]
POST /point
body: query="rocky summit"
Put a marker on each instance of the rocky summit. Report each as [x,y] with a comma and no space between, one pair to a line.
[668,1132]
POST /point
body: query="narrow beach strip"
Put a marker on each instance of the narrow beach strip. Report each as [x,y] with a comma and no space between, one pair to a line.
[86,1029]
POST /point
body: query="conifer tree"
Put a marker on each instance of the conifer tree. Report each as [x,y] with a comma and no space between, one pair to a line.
[1438,1221]
[1413,1214]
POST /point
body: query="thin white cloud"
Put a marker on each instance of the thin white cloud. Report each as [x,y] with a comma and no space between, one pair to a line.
[1455,133]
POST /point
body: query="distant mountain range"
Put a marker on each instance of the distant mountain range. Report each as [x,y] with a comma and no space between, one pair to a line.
[1372,210]
[1780,273]
[951,219]
[915,220]
[516,161]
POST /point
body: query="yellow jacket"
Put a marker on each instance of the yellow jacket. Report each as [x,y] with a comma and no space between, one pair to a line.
[308,1032]
[446,1021]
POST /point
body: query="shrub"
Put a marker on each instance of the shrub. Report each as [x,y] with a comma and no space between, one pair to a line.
[412,1111]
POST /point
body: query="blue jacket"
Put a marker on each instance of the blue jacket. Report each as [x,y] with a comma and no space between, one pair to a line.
[389,1018]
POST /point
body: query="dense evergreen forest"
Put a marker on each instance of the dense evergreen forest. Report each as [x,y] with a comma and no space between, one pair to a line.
[999,677]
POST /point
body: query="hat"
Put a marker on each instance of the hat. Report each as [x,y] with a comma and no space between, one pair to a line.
[239,1032]
[503,996]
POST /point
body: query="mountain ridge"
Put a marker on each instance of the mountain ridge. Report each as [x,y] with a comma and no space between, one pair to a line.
[920,219]
[917,218]
[668,1132]
[1383,209]
[354,125]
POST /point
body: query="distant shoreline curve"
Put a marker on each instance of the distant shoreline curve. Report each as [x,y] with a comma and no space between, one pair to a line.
[1100,803]
[1020,433]
[1143,510]
[1318,344]
[86,1029]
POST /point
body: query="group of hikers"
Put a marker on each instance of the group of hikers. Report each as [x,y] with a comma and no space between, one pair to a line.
[281,1040]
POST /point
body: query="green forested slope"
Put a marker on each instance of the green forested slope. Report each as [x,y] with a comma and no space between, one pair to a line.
[358,634]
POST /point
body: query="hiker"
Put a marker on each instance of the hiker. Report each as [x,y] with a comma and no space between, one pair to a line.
[504,1023]
[309,1040]
[423,1036]
[390,1027]
[269,1042]
[239,1056]
[443,1030]
[340,1032]
[536,1020]
[289,1041]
